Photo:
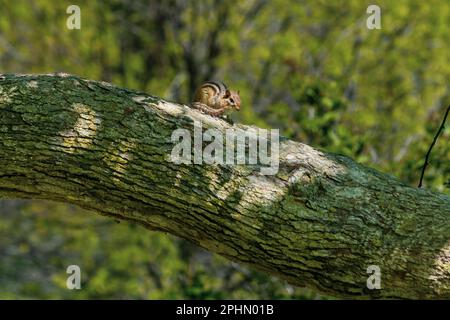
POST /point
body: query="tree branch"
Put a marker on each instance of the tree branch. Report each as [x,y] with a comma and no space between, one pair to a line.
[427,156]
[320,222]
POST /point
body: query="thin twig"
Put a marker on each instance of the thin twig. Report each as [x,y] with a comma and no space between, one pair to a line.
[432,145]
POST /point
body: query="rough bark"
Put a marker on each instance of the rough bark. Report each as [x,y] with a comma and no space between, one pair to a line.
[320,222]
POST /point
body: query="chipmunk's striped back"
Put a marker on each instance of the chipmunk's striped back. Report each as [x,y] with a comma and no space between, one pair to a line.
[217,85]
[210,92]
[214,98]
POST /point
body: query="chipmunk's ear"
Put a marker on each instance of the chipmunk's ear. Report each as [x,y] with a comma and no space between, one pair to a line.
[238,91]
[227,93]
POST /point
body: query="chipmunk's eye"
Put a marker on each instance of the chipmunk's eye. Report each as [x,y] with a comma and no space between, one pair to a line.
[231,100]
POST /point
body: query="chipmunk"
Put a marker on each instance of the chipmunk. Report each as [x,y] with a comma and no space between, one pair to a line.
[214,98]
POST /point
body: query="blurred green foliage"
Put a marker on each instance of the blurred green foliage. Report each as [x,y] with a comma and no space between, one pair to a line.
[310,68]
[39,240]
